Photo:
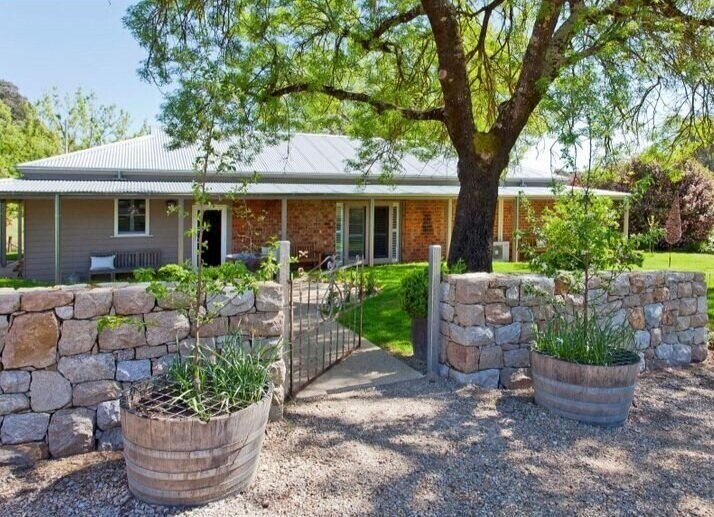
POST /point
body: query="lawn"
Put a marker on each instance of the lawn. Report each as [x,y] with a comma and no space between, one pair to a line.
[386,325]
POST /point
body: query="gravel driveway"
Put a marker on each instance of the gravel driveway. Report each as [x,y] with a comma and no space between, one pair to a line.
[428,448]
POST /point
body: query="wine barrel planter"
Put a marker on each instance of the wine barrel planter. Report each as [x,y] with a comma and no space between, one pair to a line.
[598,395]
[187,461]
[419,338]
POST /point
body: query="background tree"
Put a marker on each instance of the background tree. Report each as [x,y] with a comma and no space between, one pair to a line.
[81,122]
[438,77]
[13,99]
[654,187]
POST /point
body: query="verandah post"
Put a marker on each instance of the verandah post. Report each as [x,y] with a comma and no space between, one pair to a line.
[284,281]
[433,334]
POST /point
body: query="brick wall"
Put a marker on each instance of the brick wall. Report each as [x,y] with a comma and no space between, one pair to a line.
[312,222]
[488,321]
[423,223]
[255,223]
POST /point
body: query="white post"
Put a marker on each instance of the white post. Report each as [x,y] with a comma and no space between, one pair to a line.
[3,233]
[433,332]
[626,221]
[20,224]
[181,237]
[284,281]
[58,223]
[284,219]
[449,224]
[369,238]
[517,227]
[500,219]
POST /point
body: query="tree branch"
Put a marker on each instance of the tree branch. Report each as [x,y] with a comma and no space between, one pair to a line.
[378,105]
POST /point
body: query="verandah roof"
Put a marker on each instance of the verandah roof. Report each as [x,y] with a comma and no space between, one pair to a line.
[21,188]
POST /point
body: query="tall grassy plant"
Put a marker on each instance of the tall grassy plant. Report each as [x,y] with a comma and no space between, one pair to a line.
[231,378]
[586,341]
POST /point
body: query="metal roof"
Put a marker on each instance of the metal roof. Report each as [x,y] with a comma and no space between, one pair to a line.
[42,188]
[314,156]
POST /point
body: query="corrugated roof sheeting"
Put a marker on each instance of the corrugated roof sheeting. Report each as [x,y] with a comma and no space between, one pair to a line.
[304,154]
[26,187]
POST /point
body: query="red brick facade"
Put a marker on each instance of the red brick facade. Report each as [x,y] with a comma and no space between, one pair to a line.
[423,222]
[255,222]
[312,222]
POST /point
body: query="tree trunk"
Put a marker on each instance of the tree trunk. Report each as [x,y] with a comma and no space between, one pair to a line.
[472,236]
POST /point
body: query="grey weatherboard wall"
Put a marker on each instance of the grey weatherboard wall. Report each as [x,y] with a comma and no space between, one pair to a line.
[88,226]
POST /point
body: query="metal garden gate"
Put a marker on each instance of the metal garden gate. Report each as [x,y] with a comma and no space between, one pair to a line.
[325,319]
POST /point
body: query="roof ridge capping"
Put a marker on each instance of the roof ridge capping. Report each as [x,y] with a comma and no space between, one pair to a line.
[118,143]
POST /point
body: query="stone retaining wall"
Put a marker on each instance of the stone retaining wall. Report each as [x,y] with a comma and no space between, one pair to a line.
[61,378]
[488,320]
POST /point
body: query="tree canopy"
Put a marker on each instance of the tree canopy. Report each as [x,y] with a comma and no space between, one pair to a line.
[81,122]
[470,79]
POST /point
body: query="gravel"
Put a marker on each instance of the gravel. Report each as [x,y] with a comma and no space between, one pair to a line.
[436,449]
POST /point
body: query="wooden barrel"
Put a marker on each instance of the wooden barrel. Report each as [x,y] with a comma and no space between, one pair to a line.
[598,395]
[187,461]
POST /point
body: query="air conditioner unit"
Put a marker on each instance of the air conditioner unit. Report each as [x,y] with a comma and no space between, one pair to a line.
[501,251]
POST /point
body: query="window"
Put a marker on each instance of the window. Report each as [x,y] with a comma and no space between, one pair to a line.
[131,217]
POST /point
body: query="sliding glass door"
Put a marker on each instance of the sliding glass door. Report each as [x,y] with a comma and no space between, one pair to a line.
[363,229]
[356,232]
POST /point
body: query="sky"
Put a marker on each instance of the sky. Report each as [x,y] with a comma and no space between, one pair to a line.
[72,43]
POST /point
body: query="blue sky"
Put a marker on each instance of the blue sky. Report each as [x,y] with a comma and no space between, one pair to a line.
[72,43]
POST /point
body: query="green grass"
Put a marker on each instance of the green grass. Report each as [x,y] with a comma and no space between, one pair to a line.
[16,283]
[386,325]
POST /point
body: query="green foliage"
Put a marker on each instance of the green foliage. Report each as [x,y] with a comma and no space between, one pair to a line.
[594,341]
[581,235]
[179,282]
[257,71]
[654,186]
[111,322]
[370,282]
[415,293]
[231,378]
[81,122]
[457,268]
[23,139]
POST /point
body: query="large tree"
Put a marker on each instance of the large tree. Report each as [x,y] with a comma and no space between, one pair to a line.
[82,122]
[466,78]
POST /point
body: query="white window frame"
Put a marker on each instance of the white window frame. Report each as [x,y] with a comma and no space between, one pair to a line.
[224,232]
[147,229]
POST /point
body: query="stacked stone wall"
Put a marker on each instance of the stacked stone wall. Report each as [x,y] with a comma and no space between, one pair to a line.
[489,321]
[61,377]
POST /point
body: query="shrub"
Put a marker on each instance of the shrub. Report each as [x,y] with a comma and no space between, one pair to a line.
[415,293]
[582,238]
[654,189]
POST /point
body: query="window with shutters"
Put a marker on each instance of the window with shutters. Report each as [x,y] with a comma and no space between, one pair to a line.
[394,241]
[339,232]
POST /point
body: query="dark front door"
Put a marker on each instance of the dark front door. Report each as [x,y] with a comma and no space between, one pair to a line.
[212,238]
[381,232]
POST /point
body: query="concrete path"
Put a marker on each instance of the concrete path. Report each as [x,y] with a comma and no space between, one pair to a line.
[366,367]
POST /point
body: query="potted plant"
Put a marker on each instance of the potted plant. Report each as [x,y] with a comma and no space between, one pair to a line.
[189,442]
[582,363]
[415,299]
[195,434]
